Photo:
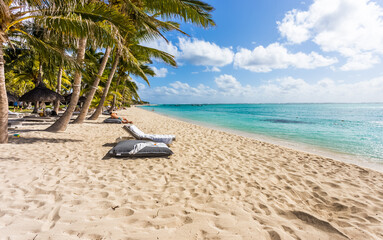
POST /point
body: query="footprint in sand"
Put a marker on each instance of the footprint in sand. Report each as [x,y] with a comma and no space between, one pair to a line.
[265,208]
[52,219]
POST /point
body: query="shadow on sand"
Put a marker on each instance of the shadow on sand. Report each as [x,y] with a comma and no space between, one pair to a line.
[27,140]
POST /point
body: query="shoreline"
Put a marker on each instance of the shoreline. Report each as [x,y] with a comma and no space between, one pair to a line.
[306,148]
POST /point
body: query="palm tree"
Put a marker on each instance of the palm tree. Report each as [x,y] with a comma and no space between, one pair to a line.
[75,18]
[92,91]
[90,96]
[13,25]
[21,69]
[135,66]
[62,122]
[61,41]
[107,85]
[89,17]
[192,11]
[125,82]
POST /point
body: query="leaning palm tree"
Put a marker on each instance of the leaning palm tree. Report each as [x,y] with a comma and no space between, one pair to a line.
[93,88]
[63,43]
[88,18]
[125,83]
[15,17]
[149,26]
[121,51]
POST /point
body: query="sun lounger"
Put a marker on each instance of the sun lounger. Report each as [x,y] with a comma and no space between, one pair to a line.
[35,118]
[139,148]
[113,120]
[14,114]
[139,135]
[14,123]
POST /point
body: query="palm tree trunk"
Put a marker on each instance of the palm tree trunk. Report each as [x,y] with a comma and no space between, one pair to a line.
[123,94]
[39,80]
[114,95]
[62,123]
[3,101]
[41,73]
[106,89]
[113,103]
[58,89]
[90,95]
[36,107]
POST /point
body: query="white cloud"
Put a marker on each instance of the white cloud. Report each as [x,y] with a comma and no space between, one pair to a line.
[196,52]
[353,28]
[162,45]
[360,62]
[283,90]
[276,56]
[212,69]
[203,53]
[179,85]
[139,85]
[183,89]
[231,87]
[227,83]
[161,73]
[326,90]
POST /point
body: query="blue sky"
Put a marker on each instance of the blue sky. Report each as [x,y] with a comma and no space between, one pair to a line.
[275,51]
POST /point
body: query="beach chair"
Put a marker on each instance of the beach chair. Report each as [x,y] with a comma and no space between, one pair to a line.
[140,135]
[14,114]
[140,148]
[14,123]
[113,120]
[37,118]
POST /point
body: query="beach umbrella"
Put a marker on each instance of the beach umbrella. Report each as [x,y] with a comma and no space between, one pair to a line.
[41,94]
[11,97]
[80,100]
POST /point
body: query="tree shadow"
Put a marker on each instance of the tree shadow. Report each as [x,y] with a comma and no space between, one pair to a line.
[20,130]
[104,123]
[36,123]
[9,159]
[127,158]
[30,140]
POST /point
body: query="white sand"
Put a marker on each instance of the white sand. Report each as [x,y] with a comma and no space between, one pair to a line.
[216,186]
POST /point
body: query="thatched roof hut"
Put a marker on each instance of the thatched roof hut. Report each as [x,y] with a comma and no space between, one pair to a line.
[41,94]
[11,97]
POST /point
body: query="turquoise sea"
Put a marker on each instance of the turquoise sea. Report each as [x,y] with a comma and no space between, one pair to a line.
[355,129]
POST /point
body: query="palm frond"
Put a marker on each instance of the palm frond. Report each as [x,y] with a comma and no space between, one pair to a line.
[155,53]
[134,64]
[191,11]
[47,50]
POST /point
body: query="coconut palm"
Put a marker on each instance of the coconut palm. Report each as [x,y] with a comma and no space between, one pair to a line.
[89,17]
[21,69]
[15,17]
[121,51]
[92,91]
[149,26]
[61,42]
[74,18]
[126,85]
